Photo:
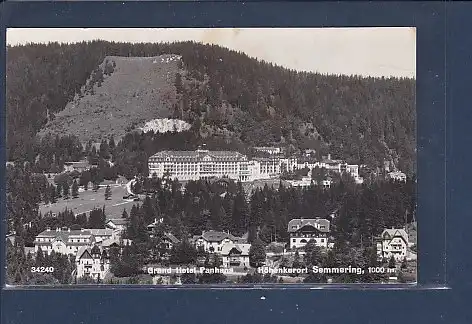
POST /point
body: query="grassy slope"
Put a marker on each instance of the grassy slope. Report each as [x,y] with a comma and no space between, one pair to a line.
[139,89]
[89,200]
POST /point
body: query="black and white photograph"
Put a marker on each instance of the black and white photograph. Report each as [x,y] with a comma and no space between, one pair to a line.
[210,156]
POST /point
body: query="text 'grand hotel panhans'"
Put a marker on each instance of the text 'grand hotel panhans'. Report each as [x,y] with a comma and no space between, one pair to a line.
[204,164]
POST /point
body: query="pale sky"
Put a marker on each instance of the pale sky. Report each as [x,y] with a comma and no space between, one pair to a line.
[374,52]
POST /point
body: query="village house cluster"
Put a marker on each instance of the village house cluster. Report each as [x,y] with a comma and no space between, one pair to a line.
[89,246]
[233,250]
[205,164]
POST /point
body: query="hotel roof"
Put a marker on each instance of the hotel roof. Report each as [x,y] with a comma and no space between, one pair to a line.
[299,223]
[216,236]
[198,154]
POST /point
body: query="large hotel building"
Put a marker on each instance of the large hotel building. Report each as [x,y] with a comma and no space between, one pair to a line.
[204,164]
[200,164]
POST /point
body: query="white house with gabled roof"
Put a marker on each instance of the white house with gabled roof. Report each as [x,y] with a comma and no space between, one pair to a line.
[92,262]
[235,255]
[392,242]
[117,224]
[302,231]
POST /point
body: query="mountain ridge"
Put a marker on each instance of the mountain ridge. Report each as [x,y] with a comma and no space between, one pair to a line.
[227,94]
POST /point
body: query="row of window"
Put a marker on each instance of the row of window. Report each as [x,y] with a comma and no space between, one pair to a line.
[322,240]
[307,234]
[194,166]
[88,262]
[275,166]
[194,162]
[394,247]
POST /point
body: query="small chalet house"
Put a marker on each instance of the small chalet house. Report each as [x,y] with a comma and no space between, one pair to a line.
[392,242]
[168,240]
[118,224]
[397,176]
[118,243]
[92,262]
[303,230]
[235,255]
[213,241]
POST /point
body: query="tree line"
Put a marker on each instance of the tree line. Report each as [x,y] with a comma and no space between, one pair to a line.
[357,213]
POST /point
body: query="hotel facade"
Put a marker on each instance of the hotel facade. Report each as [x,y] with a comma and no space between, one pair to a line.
[200,164]
[205,164]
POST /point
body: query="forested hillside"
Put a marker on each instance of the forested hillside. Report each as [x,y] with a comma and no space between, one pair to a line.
[225,95]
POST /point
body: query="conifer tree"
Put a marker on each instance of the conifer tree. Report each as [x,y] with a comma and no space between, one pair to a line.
[95,186]
[52,194]
[107,192]
[65,189]
[257,255]
[75,189]
[59,190]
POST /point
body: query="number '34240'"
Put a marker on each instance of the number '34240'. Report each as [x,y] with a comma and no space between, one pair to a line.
[42,269]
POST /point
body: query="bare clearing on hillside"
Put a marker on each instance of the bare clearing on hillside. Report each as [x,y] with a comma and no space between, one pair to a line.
[163,125]
[121,95]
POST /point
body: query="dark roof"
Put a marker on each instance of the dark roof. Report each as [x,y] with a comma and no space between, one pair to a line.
[96,250]
[299,223]
[389,234]
[78,164]
[216,236]
[198,155]
[65,242]
[104,254]
[84,253]
[88,252]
